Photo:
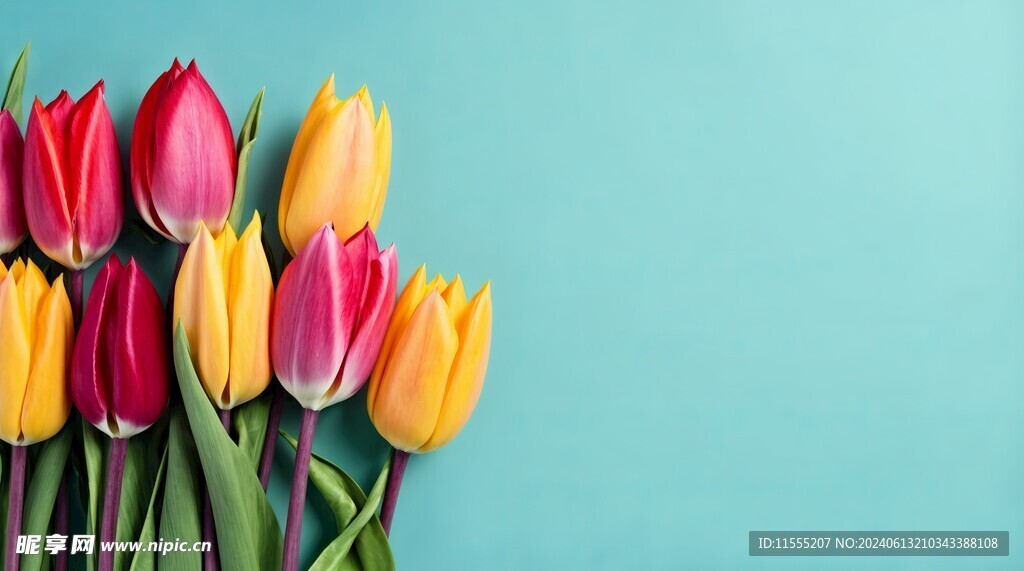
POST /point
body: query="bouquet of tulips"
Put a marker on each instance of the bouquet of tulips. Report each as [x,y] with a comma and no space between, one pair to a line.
[179,398]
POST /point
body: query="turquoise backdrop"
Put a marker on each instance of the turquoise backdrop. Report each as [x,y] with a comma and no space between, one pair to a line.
[756,265]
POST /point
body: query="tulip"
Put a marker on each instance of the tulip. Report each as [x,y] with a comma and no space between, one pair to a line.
[36,335]
[330,315]
[430,371]
[119,378]
[13,227]
[338,169]
[72,178]
[183,160]
[223,298]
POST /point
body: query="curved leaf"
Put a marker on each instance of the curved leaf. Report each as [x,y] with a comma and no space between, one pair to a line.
[146,560]
[47,474]
[16,84]
[246,139]
[180,518]
[250,422]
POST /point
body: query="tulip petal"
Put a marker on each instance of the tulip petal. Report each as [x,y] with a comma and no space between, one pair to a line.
[45,190]
[250,298]
[455,296]
[314,313]
[140,364]
[200,306]
[13,226]
[322,103]
[369,335]
[468,370]
[337,176]
[47,402]
[15,364]
[362,251]
[94,179]
[91,375]
[142,150]
[406,304]
[382,131]
[412,391]
[193,164]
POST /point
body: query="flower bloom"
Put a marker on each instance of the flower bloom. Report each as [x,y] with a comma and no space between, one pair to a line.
[330,314]
[183,161]
[338,169]
[431,368]
[36,335]
[13,227]
[119,376]
[223,298]
[73,189]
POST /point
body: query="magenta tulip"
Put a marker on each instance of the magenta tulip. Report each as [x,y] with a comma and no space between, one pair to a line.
[72,185]
[119,374]
[183,161]
[330,314]
[13,227]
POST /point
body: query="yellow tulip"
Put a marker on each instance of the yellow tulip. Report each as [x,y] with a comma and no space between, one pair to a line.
[36,338]
[431,368]
[223,298]
[338,169]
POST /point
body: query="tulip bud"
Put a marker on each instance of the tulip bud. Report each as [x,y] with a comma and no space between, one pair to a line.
[36,335]
[330,313]
[119,376]
[431,368]
[73,189]
[183,161]
[13,227]
[223,299]
[338,169]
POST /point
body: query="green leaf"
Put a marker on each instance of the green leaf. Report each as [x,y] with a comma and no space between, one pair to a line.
[246,139]
[248,535]
[356,517]
[92,442]
[41,493]
[146,560]
[16,84]
[180,516]
[140,467]
[250,422]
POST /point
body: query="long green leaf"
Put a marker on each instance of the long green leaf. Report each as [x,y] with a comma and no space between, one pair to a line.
[47,475]
[356,517]
[146,560]
[246,139]
[95,454]
[140,467]
[180,518]
[16,84]
[248,535]
[250,422]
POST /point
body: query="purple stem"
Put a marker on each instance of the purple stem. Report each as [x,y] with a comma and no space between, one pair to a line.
[61,508]
[273,423]
[16,501]
[77,293]
[297,502]
[112,500]
[211,557]
[182,248]
[387,510]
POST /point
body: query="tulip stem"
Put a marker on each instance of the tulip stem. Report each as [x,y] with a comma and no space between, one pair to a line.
[297,502]
[77,293]
[60,524]
[270,439]
[387,510]
[112,500]
[182,248]
[15,502]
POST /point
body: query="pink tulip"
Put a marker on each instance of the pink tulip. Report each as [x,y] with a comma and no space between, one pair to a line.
[183,161]
[72,172]
[119,369]
[12,210]
[330,314]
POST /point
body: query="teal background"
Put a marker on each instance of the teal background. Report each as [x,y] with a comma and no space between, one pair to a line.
[756,265]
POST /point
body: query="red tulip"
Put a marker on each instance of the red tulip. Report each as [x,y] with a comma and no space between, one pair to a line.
[119,372]
[183,161]
[12,210]
[330,314]
[72,186]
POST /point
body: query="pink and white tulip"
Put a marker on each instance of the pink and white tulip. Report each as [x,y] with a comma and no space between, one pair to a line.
[13,227]
[331,312]
[183,161]
[72,179]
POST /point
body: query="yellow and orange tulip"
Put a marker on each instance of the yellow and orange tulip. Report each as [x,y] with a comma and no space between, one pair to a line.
[338,169]
[223,299]
[36,338]
[431,367]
